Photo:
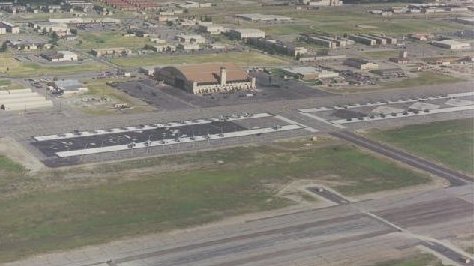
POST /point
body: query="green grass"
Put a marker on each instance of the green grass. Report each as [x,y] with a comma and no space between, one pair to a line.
[244,59]
[110,39]
[7,166]
[423,78]
[5,82]
[70,214]
[335,20]
[447,142]
[14,68]
[11,174]
[418,260]
[381,54]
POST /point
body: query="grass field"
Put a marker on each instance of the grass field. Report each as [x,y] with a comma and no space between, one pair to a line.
[110,39]
[115,200]
[417,260]
[244,59]
[335,20]
[423,78]
[448,142]
[14,68]
[381,54]
[6,84]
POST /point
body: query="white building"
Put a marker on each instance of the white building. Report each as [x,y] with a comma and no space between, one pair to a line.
[61,56]
[310,73]
[247,33]
[212,29]
[189,46]
[70,86]
[6,27]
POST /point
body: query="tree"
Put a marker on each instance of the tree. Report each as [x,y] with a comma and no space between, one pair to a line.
[4,47]
[54,39]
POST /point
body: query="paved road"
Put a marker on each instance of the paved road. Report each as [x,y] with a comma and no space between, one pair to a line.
[455,178]
[350,234]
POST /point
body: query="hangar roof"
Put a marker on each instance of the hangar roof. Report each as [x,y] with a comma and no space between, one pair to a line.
[210,72]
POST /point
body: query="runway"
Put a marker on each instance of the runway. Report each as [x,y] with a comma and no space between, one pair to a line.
[348,234]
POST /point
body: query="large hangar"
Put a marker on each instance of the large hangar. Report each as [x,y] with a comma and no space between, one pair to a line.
[207,78]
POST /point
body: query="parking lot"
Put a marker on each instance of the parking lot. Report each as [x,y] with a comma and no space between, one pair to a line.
[71,147]
[396,108]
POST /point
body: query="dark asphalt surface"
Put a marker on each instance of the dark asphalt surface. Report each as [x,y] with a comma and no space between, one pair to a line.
[50,147]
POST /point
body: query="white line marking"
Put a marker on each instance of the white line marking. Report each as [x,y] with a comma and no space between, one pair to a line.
[322,120]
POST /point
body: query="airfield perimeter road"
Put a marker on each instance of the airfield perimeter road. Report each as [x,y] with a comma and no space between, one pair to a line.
[455,178]
[350,234]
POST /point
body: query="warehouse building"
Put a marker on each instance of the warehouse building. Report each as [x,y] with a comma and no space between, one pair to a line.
[276,46]
[331,42]
[310,73]
[257,17]
[70,86]
[211,29]
[6,27]
[452,44]
[246,33]
[60,56]
[361,64]
[110,51]
[207,78]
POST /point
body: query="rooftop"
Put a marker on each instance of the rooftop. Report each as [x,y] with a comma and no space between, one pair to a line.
[210,72]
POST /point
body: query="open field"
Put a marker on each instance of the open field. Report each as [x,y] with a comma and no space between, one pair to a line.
[334,20]
[381,54]
[448,142]
[423,78]
[14,68]
[94,204]
[417,260]
[6,84]
[243,58]
[110,39]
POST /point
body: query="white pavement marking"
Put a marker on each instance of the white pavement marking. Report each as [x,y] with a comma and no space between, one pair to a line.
[291,122]
[139,145]
[322,120]
[145,127]
[401,115]
[463,94]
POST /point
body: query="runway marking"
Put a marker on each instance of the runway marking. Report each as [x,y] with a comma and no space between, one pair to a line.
[291,122]
[322,120]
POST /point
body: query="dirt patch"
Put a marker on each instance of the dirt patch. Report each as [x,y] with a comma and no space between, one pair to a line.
[16,152]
